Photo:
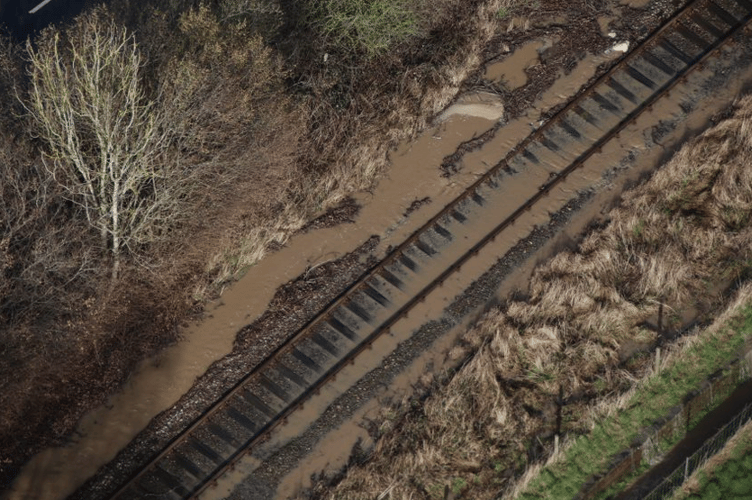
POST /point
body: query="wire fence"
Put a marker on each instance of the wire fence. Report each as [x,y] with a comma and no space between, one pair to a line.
[697,459]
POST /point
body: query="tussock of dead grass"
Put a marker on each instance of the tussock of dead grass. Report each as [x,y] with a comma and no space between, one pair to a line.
[685,352]
[671,239]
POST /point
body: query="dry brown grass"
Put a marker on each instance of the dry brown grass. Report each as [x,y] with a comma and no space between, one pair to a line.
[670,241]
[351,112]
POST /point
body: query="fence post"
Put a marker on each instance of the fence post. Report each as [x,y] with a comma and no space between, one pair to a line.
[701,455]
[657,360]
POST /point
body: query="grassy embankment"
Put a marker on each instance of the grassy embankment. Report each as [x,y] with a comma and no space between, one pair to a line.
[726,475]
[542,366]
[623,419]
[261,115]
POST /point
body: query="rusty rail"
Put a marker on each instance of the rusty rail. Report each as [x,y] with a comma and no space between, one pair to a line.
[266,396]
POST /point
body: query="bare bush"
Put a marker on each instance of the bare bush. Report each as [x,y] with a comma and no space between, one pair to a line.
[214,87]
[104,138]
[42,249]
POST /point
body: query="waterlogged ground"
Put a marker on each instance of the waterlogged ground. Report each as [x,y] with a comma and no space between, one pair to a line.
[533,65]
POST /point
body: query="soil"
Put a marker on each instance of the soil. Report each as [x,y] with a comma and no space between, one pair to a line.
[343,213]
[416,205]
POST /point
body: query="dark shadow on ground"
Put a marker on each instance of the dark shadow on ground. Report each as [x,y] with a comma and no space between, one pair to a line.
[703,431]
[20,24]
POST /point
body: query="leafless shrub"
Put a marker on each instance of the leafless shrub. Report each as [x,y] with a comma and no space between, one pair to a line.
[104,137]
[50,269]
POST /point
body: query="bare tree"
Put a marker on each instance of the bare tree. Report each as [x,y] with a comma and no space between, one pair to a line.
[104,137]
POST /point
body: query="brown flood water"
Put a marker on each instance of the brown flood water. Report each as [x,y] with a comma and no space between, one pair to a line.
[511,70]
[604,23]
[333,450]
[336,446]
[160,382]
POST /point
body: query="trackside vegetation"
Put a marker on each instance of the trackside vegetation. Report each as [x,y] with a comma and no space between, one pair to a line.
[553,361]
[363,26]
[149,154]
[650,400]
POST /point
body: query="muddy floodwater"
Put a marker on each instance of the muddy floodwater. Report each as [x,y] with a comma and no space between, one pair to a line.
[511,70]
[639,148]
[160,382]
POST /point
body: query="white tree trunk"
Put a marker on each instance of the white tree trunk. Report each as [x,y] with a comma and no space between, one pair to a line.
[104,137]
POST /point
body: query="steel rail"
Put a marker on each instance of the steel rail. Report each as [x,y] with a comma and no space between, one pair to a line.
[692,64]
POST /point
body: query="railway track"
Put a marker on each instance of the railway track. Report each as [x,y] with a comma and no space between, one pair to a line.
[387,292]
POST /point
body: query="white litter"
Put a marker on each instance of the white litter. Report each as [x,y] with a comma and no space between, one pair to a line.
[619,47]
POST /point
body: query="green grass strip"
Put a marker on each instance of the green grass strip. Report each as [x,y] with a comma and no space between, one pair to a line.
[591,454]
[729,479]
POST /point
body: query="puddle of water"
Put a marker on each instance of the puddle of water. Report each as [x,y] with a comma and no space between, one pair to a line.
[160,382]
[604,22]
[563,89]
[566,86]
[511,70]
